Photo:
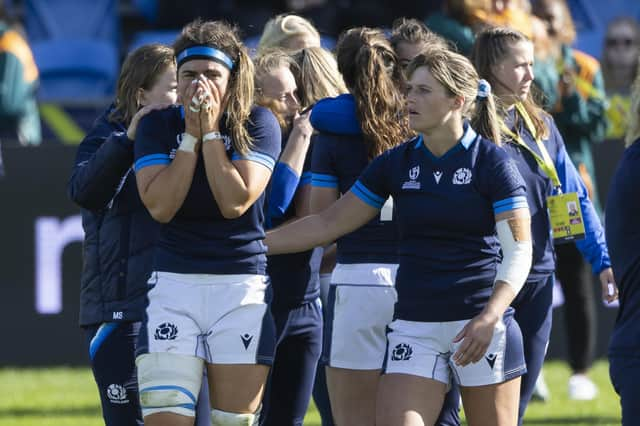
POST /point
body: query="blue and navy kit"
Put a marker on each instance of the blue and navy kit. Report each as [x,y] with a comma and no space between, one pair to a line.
[593,247]
[199,240]
[623,236]
[294,277]
[339,157]
[448,249]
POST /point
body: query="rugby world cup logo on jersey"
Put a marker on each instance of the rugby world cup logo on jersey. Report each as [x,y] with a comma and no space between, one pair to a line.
[462,176]
[412,183]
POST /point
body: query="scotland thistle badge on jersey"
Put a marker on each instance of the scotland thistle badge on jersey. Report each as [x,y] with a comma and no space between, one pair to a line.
[412,183]
[462,176]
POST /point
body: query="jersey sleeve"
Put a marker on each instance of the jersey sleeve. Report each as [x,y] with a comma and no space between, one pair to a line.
[154,141]
[266,139]
[323,170]
[594,246]
[504,183]
[372,187]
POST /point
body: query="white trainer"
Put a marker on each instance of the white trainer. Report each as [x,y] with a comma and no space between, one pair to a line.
[581,388]
[541,390]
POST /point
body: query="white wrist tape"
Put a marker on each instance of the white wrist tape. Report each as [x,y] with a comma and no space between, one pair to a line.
[188,143]
[516,258]
[212,136]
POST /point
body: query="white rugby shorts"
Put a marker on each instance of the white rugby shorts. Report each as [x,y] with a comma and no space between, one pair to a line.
[222,319]
[426,349]
[361,302]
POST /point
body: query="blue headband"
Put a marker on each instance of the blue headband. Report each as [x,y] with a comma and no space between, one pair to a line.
[204,52]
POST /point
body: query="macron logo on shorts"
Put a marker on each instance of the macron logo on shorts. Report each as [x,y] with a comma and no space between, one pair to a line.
[246,340]
[491,359]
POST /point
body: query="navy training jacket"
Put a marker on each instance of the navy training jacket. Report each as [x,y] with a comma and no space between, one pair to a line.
[120,234]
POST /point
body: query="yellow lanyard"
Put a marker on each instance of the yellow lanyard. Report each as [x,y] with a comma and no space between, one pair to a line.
[545,162]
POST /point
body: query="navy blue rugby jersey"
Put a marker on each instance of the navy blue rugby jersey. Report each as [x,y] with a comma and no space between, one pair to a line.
[622,221]
[294,276]
[199,239]
[339,157]
[448,248]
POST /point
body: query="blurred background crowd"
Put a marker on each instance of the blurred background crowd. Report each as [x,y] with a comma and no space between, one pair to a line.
[60,58]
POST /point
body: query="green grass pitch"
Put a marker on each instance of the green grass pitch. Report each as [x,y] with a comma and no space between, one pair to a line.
[68,397]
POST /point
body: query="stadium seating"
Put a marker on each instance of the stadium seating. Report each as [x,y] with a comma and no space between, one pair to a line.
[76,70]
[145,37]
[147,8]
[87,19]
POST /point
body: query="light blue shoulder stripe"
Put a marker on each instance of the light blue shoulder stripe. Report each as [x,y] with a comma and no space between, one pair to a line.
[366,195]
[256,157]
[324,181]
[151,160]
[508,204]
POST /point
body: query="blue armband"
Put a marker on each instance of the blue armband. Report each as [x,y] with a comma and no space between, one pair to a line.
[284,184]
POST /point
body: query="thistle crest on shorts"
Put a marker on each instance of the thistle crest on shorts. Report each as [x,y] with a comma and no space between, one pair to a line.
[402,352]
[166,331]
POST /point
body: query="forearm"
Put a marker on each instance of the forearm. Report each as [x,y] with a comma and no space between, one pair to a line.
[295,152]
[229,189]
[593,247]
[304,234]
[98,173]
[165,193]
[500,300]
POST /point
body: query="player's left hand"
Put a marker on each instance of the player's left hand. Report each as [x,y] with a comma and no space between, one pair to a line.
[211,108]
[608,284]
[476,336]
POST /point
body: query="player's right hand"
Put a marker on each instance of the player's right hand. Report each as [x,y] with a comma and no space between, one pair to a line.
[133,126]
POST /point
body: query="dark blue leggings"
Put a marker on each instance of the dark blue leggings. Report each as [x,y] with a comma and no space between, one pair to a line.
[291,379]
[625,376]
[533,312]
[112,354]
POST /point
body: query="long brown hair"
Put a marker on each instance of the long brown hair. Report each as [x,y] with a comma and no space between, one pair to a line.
[457,75]
[491,47]
[370,69]
[140,70]
[239,96]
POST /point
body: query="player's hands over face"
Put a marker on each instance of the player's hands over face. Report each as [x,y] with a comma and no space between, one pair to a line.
[192,111]
[211,110]
[476,336]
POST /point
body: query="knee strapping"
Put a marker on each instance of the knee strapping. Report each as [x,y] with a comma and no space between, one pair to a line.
[224,418]
[169,383]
